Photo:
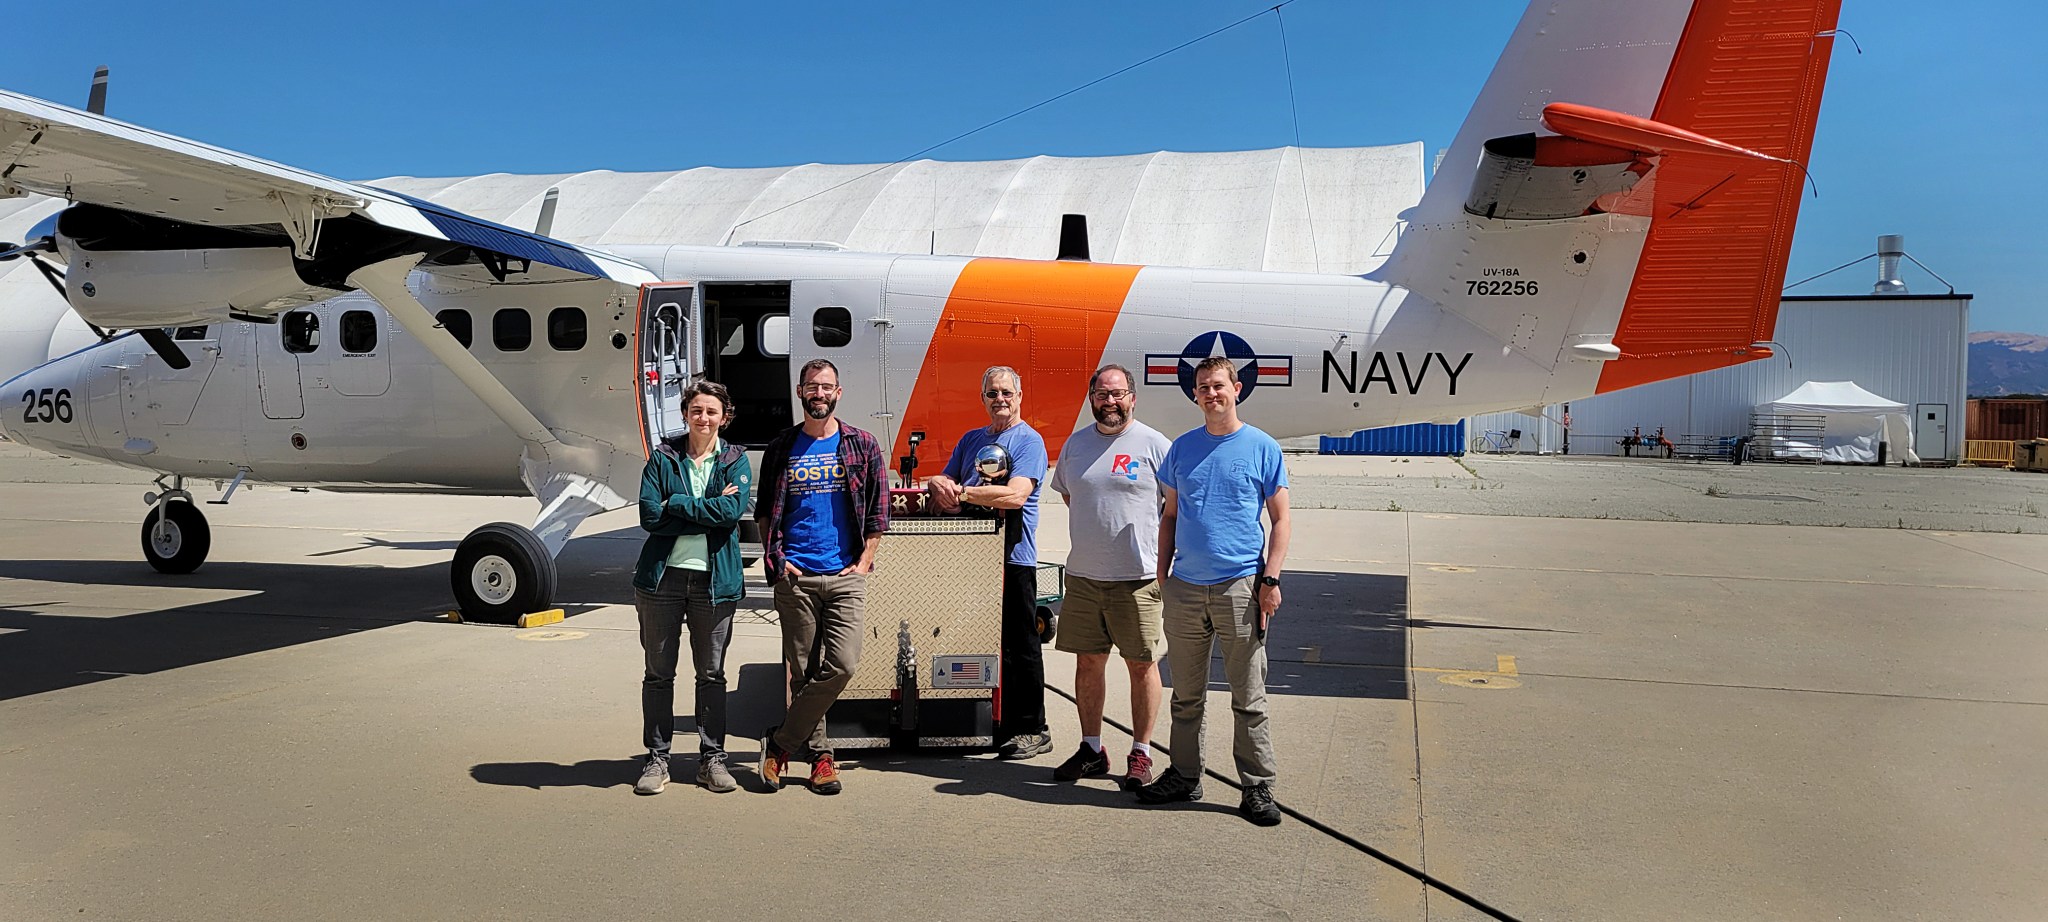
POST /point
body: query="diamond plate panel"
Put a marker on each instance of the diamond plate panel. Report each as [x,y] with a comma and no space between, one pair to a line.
[945,576]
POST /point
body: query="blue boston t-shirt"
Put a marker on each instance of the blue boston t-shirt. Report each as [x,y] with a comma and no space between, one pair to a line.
[1027,459]
[817,531]
[1221,482]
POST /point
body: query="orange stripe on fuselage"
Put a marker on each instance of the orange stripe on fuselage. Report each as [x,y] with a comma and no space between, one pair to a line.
[1746,73]
[1049,320]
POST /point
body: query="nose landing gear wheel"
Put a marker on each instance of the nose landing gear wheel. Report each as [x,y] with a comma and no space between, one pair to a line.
[502,571]
[177,544]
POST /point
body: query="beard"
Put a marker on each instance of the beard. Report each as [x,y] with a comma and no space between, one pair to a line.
[1112,416]
[820,407]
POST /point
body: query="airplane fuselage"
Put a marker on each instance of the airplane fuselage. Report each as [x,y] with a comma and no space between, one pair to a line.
[364,406]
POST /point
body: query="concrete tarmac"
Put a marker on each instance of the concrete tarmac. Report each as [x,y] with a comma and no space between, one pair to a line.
[1565,718]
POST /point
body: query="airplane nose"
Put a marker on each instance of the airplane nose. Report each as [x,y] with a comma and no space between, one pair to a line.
[44,407]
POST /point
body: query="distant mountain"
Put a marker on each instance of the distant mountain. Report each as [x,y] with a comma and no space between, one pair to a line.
[2008,363]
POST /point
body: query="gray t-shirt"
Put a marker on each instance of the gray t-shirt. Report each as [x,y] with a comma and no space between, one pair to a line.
[1112,489]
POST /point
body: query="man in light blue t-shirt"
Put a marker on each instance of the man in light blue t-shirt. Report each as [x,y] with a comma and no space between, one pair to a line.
[1023,728]
[1220,578]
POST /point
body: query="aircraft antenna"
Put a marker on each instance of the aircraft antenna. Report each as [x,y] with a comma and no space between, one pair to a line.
[1300,155]
[1275,9]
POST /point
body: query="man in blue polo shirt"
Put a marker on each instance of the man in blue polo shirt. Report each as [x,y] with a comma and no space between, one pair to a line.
[1023,677]
[1220,581]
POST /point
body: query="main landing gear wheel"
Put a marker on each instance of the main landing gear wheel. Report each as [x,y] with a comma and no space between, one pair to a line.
[502,571]
[176,538]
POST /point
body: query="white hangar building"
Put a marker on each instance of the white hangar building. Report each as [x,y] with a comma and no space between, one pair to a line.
[1285,209]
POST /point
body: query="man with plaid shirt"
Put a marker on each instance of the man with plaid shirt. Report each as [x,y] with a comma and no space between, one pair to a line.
[822,510]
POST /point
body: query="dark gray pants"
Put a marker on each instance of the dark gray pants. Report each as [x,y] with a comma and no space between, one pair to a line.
[684,596]
[821,637]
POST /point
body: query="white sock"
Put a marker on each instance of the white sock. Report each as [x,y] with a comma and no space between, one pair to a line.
[1094,742]
[1145,748]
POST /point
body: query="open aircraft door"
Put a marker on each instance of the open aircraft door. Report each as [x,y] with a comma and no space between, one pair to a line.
[668,313]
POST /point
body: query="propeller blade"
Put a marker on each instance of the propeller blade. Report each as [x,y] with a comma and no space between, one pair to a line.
[166,348]
[97,102]
[11,251]
[55,278]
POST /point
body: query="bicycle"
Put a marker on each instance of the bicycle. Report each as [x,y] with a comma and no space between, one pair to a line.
[1496,441]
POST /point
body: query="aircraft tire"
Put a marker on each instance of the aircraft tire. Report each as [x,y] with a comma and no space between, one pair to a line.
[502,571]
[185,541]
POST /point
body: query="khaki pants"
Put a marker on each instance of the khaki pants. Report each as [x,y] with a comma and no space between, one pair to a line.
[821,636]
[1197,617]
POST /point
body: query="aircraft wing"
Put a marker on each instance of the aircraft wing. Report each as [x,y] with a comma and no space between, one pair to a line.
[86,158]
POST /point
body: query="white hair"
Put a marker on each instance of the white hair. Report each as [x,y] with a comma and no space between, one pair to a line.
[994,370]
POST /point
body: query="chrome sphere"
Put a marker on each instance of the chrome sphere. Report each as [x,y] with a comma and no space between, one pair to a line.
[993,463]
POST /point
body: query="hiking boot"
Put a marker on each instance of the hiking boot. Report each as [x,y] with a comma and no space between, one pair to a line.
[653,775]
[824,774]
[713,775]
[1137,771]
[1258,805]
[773,761]
[1171,786]
[1086,762]
[1026,745]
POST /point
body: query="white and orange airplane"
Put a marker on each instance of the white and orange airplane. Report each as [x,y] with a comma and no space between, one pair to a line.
[1616,209]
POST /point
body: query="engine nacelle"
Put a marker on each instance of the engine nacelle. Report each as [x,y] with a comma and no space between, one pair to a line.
[126,270]
[163,288]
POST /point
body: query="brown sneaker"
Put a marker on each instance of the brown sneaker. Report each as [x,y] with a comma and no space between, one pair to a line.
[824,774]
[774,762]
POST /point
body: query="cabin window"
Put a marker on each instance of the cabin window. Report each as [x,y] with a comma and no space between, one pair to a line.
[358,332]
[512,329]
[188,334]
[774,336]
[831,327]
[301,332]
[732,336]
[567,329]
[456,321]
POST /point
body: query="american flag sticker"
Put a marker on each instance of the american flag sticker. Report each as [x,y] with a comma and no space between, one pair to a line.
[964,671]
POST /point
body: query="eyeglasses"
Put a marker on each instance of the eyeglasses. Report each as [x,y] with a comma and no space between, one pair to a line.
[1107,394]
[993,394]
[817,388]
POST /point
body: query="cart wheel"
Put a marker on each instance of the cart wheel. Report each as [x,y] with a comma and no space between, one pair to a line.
[1048,624]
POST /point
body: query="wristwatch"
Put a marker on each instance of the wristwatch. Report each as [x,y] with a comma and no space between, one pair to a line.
[1272,581]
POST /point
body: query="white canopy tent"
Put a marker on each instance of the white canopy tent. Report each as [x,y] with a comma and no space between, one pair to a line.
[1854,420]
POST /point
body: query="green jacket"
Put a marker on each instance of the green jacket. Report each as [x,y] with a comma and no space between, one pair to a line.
[667,510]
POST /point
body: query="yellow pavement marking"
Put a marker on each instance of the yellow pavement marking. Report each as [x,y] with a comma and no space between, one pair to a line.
[1504,674]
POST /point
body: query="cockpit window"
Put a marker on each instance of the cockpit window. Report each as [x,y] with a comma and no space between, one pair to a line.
[301,331]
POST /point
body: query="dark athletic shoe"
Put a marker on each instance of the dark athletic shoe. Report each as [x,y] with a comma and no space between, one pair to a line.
[653,775]
[774,762]
[1258,805]
[1026,745]
[1172,786]
[1086,762]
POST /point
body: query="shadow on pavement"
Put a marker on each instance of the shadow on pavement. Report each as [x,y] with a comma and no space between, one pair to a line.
[589,773]
[1029,781]
[1340,635]
[44,649]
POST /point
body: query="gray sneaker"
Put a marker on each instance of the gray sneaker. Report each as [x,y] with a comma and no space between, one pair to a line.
[653,775]
[711,773]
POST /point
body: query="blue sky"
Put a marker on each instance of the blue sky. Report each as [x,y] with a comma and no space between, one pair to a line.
[1913,134]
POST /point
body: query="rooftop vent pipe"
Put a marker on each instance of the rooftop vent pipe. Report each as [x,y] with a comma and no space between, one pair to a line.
[1889,248]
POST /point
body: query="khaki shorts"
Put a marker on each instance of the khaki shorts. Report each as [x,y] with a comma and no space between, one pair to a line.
[1125,613]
